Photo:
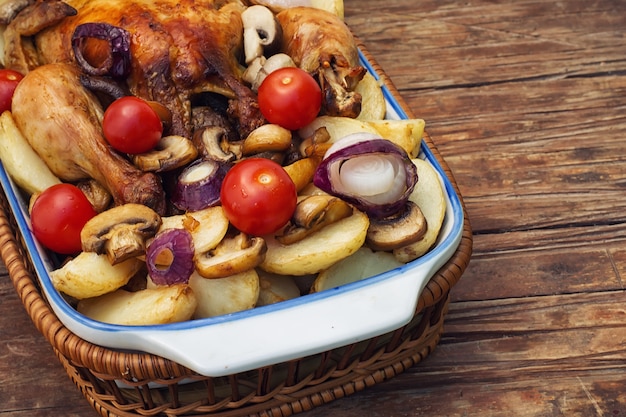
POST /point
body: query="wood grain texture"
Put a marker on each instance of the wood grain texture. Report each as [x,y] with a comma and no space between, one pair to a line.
[526,101]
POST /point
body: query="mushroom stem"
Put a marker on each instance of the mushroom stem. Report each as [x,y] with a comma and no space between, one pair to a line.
[120,232]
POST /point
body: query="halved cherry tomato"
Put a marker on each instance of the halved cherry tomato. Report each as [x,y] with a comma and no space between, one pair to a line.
[57,217]
[131,125]
[290,97]
[258,196]
[9,79]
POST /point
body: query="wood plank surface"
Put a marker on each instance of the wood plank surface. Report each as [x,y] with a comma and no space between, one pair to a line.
[526,101]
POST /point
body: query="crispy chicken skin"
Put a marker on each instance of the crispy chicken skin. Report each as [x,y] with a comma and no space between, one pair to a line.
[61,121]
[320,43]
[178,48]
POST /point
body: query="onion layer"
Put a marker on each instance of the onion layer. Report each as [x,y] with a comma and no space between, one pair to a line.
[374,174]
[198,186]
[117,63]
[169,257]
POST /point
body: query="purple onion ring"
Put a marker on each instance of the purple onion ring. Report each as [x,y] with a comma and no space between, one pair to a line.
[179,244]
[361,145]
[117,64]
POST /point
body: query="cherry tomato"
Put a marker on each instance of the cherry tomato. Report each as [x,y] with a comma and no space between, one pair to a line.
[9,79]
[131,125]
[57,217]
[290,97]
[258,196]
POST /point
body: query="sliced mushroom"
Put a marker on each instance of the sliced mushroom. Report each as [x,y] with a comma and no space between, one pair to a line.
[267,138]
[209,143]
[261,32]
[397,231]
[210,114]
[261,67]
[313,213]
[316,144]
[232,256]
[120,232]
[170,153]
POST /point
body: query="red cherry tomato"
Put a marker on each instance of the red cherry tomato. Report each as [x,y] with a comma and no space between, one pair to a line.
[57,217]
[290,97]
[258,196]
[9,79]
[131,125]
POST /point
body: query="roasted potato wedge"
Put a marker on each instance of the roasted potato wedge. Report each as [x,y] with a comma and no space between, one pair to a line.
[301,172]
[20,161]
[429,196]
[158,305]
[225,295]
[319,250]
[90,275]
[373,105]
[364,263]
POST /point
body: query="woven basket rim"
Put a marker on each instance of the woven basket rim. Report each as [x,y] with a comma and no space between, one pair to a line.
[153,367]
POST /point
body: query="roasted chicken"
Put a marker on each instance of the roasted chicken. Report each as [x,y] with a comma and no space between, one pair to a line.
[178,49]
[61,121]
[320,43]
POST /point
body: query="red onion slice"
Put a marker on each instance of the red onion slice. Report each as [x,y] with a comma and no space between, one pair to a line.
[117,64]
[169,257]
[374,174]
[198,186]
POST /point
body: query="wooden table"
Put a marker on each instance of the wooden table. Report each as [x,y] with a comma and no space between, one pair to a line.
[526,101]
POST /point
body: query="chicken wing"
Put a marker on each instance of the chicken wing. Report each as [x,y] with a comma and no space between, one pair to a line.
[320,43]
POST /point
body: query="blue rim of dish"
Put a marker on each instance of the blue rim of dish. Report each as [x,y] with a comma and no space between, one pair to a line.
[18,206]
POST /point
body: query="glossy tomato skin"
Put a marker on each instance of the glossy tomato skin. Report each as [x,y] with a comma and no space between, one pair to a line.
[57,217]
[258,196]
[131,125]
[9,80]
[290,97]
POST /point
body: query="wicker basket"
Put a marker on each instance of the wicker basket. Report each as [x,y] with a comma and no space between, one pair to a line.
[135,384]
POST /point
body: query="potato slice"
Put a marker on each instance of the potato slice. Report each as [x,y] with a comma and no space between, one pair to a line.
[91,275]
[225,295]
[319,250]
[337,127]
[373,105]
[364,263]
[159,305]
[276,288]
[207,227]
[429,196]
[406,133]
[21,161]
